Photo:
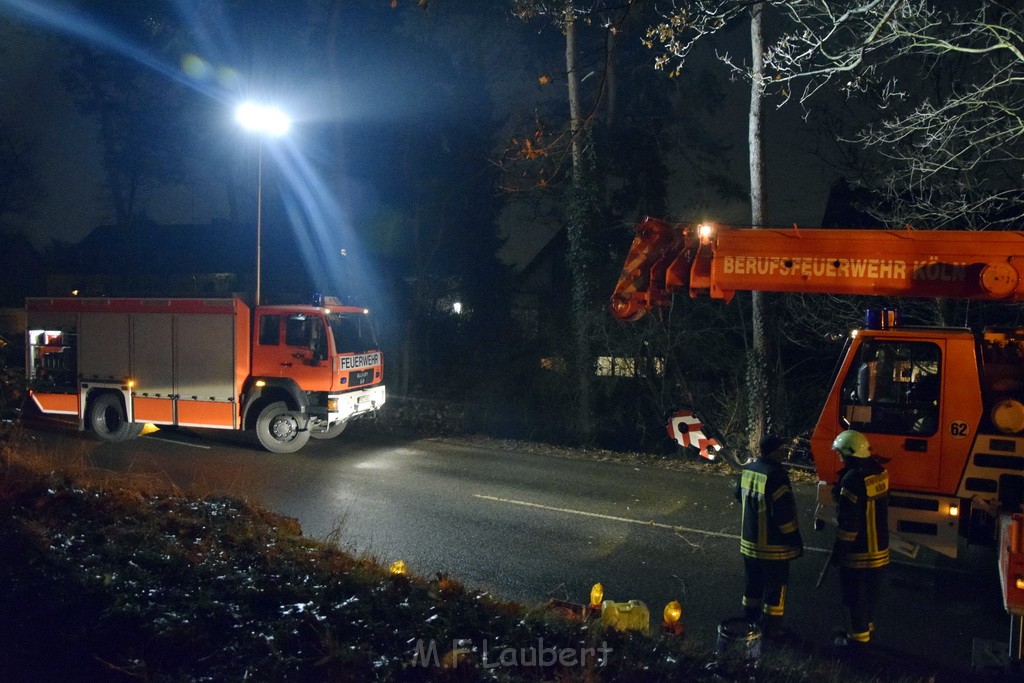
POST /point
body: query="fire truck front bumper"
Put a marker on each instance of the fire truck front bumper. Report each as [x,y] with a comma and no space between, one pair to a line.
[354,403]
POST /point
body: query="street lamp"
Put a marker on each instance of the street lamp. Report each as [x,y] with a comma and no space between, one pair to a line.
[267,122]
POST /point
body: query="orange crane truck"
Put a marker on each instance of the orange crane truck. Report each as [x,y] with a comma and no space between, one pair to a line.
[287,372]
[946,406]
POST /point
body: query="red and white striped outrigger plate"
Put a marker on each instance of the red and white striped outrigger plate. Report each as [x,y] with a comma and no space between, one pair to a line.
[687,430]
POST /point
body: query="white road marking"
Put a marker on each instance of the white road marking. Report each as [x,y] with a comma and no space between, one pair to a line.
[180,443]
[626,520]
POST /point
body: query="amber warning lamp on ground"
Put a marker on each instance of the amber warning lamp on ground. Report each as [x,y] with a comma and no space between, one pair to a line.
[596,597]
[672,619]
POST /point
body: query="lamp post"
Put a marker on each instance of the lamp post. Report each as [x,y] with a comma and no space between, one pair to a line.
[267,122]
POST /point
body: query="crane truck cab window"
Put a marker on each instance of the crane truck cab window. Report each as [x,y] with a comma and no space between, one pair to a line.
[270,330]
[893,387]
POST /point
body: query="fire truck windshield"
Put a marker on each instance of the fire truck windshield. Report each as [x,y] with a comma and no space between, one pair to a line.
[353,332]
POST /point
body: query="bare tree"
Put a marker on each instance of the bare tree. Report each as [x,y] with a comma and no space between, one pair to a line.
[950,148]
[678,34]
[583,202]
[757,360]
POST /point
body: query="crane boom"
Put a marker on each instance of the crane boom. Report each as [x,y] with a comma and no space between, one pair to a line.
[719,262]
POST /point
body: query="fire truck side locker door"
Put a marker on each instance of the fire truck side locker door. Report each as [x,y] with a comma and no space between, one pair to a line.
[204,369]
[153,367]
[103,347]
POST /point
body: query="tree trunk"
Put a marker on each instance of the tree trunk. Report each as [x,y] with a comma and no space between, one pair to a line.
[757,374]
[578,213]
[573,83]
[611,78]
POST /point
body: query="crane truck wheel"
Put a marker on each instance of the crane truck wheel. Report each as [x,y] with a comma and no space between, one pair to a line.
[277,428]
[107,418]
[331,432]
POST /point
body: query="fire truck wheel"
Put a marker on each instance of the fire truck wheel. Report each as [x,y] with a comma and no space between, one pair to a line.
[331,432]
[107,419]
[278,429]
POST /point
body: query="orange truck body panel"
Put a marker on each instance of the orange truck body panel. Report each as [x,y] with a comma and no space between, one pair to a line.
[56,404]
[207,414]
[155,410]
[913,263]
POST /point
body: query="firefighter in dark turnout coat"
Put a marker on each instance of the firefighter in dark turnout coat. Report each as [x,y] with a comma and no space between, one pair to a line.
[770,534]
[862,541]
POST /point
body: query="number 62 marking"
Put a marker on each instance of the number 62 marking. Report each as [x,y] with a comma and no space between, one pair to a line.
[959,430]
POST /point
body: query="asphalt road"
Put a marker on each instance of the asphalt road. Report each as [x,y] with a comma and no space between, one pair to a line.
[530,525]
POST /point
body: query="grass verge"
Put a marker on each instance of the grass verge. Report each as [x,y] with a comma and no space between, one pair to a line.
[115,577]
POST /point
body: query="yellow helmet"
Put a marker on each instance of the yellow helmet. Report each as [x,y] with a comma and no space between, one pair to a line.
[852,444]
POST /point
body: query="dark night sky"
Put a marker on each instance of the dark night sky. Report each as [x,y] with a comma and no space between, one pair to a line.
[31,95]
[32,98]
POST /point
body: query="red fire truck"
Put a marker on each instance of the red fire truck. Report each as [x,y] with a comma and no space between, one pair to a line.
[287,372]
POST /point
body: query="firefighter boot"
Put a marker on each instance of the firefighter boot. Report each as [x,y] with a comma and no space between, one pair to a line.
[773,629]
[752,611]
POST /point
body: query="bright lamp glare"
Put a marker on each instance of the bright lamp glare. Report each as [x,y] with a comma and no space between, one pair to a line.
[263,119]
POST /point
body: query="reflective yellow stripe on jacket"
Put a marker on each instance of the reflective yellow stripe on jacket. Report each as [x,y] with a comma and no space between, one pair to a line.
[759,538]
[869,544]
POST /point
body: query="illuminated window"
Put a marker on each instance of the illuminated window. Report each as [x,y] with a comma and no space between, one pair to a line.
[614,366]
[555,364]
